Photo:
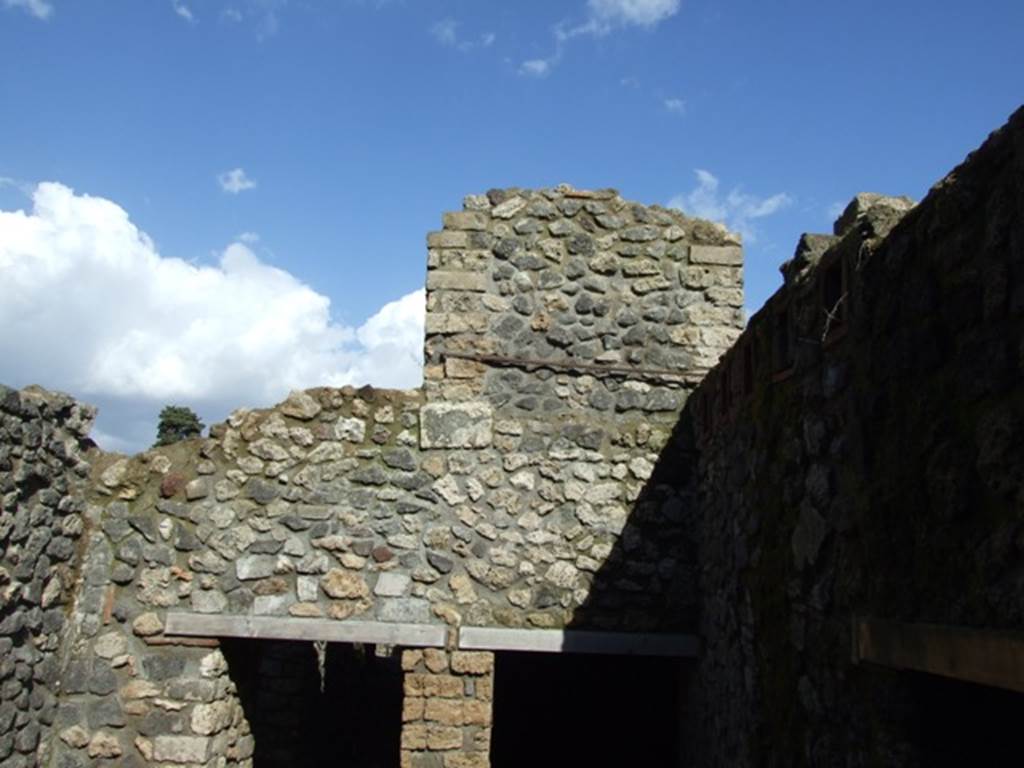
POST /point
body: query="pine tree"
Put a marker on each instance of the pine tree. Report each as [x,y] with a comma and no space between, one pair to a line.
[177,422]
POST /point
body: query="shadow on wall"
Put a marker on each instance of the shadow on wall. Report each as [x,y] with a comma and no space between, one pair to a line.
[634,590]
[347,712]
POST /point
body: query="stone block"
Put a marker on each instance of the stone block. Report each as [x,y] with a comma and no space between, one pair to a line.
[456,425]
[468,220]
[436,660]
[391,584]
[448,240]
[476,712]
[433,686]
[456,322]
[444,737]
[412,708]
[467,760]
[208,719]
[414,736]
[407,610]
[255,567]
[438,280]
[411,659]
[472,662]
[181,749]
[723,255]
[343,585]
[300,405]
[443,711]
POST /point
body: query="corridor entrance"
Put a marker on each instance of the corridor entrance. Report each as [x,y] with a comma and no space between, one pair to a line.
[353,719]
[586,709]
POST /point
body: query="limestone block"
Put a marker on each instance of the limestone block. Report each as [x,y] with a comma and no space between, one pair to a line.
[255,566]
[472,662]
[456,322]
[448,239]
[342,584]
[391,584]
[456,425]
[300,405]
[725,255]
[468,220]
[181,749]
[456,281]
[211,718]
[412,610]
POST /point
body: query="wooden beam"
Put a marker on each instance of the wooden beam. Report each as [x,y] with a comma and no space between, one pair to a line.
[988,657]
[578,641]
[285,628]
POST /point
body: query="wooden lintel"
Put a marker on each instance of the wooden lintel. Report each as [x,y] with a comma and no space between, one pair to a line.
[578,641]
[286,628]
[988,657]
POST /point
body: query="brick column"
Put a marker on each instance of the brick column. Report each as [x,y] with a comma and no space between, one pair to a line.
[446,715]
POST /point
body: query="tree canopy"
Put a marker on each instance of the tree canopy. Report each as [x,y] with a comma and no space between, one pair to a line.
[177,422]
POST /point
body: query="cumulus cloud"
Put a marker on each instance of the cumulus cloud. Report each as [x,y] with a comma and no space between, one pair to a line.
[89,305]
[235,181]
[184,11]
[38,8]
[736,209]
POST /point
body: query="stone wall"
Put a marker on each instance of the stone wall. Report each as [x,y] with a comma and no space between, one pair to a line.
[42,465]
[861,448]
[505,492]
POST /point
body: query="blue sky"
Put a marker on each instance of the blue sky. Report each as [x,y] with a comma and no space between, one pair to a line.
[316,143]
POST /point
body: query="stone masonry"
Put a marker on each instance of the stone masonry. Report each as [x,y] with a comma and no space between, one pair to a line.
[571,463]
[514,489]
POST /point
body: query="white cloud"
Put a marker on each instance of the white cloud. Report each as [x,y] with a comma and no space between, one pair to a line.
[38,8]
[446,32]
[536,67]
[183,10]
[235,181]
[737,209]
[260,15]
[603,17]
[89,305]
[642,13]
[249,238]
[678,106]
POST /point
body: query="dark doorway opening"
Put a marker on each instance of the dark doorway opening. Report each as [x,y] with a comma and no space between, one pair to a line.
[559,709]
[354,720]
[956,723]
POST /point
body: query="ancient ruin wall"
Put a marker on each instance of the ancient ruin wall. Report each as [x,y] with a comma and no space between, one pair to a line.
[504,493]
[42,467]
[864,464]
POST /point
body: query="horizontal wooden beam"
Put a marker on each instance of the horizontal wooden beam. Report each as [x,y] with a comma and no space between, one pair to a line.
[989,657]
[285,628]
[578,641]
